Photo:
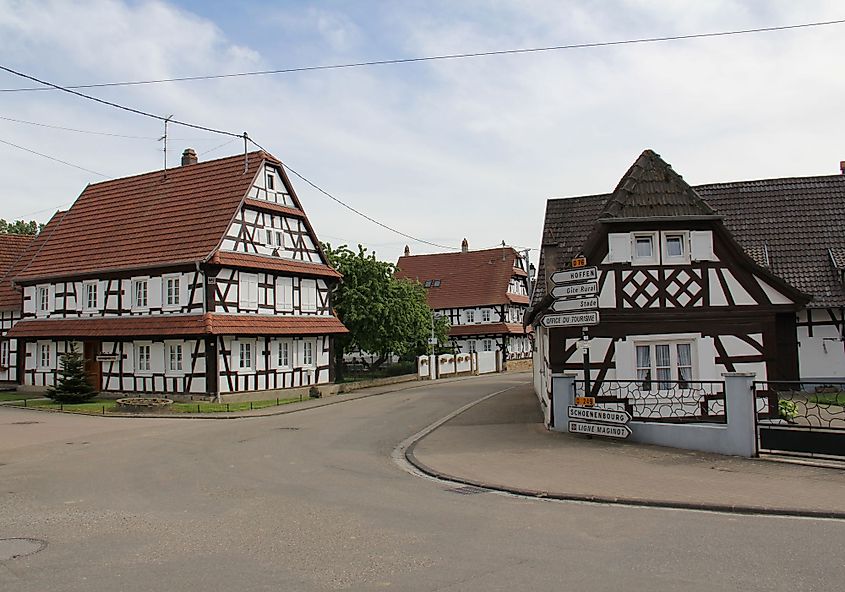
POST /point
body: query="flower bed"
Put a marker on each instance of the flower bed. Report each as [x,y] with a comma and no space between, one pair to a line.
[143,404]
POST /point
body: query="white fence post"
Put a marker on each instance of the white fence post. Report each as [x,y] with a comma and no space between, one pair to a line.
[563,388]
[741,411]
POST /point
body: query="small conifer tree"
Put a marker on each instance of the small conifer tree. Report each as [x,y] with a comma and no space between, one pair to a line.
[72,384]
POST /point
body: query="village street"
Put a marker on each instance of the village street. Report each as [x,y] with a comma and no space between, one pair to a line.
[314,500]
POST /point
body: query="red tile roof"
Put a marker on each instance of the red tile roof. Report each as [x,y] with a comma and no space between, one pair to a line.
[148,220]
[474,278]
[488,329]
[12,247]
[10,296]
[177,325]
[273,263]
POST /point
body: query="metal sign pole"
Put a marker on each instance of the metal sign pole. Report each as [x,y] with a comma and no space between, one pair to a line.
[586,337]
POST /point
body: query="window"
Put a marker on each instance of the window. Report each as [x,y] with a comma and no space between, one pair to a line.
[284,354]
[271,182]
[674,245]
[435,283]
[43,298]
[284,294]
[307,360]
[174,358]
[280,239]
[427,284]
[4,353]
[91,300]
[487,345]
[139,294]
[172,292]
[471,348]
[470,316]
[644,247]
[268,233]
[44,356]
[485,315]
[308,295]
[664,365]
[143,361]
[248,291]
[245,355]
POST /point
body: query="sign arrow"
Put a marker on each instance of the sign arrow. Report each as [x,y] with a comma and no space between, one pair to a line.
[581,289]
[582,274]
[594,414]
[575,304]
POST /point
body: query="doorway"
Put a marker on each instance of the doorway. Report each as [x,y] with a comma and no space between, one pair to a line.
[93,369]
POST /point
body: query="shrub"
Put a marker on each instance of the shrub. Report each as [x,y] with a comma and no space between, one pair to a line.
[72,384]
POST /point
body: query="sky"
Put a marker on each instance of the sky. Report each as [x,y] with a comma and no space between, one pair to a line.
[440,150]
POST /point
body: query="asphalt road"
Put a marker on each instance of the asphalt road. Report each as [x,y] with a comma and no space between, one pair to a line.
[313,501]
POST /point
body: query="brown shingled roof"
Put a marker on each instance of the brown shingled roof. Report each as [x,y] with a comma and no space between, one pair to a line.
[474,278]
[148,220]
[792,224]
[178,325]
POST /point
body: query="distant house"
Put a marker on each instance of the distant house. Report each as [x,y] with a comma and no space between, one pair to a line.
[15,252]
[205,279]
[697,281]
[483,294]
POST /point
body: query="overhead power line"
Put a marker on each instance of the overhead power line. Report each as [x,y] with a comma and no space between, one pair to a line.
[95,133]
[451,56]
[70,164]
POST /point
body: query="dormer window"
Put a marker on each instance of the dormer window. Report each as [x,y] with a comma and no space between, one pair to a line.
[675,248]
[644,247]
[674,245]
[271,183]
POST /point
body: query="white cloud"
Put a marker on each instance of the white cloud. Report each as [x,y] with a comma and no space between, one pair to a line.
[441,150]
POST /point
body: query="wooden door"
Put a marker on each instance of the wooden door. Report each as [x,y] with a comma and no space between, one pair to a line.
[92,366]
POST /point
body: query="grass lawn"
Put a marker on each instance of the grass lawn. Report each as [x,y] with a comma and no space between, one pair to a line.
[13,396]
[828,398]
[100,406]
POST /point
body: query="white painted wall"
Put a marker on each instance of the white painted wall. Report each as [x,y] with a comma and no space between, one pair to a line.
[822,356]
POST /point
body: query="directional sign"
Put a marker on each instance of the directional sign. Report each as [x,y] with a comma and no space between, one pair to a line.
[599,429]
[569,290]
[593,414]
[575,304]
[582,274]
[576,319]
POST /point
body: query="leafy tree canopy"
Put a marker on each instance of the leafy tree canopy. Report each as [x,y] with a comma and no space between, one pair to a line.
[20,227]
[384,314]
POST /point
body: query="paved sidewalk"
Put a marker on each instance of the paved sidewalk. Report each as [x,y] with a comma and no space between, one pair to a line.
[501,443]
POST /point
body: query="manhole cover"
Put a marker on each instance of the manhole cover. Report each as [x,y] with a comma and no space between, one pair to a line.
[14,548]
[24,422]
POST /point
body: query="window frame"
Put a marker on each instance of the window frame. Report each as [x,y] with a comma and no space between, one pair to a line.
[248,345]
[138,346]
[654,382]
[312,364]
[39,356]
[485,343]
[652,259]
[471,316]
[5,353]
[165,291]
[86,296]
[168,369]
[302,291]
[286,346]
[486,315]
[135,285]
[684,257]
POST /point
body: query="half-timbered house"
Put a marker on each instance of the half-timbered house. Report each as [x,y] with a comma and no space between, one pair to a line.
[698,281]
[14,250]
[202,279]
[483,294]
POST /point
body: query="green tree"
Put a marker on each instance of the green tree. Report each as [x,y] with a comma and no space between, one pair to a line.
[384,315]
[72,385]
[20,227]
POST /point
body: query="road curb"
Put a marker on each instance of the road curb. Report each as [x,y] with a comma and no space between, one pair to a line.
[277,409]
[411,458]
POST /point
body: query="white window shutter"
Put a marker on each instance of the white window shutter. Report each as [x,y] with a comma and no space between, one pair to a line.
[284,294]
[157,353]
[308,291]
[128,357]
[184,289]
[701,245]
[154,291]
[253,293]
[619,247]
[102,287]
[51,300]
[79,290]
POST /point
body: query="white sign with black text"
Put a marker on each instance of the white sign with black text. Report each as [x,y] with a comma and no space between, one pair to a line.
[581,274]
[577,319]
[582,289]
[594,414]
[599,429]
[575,304]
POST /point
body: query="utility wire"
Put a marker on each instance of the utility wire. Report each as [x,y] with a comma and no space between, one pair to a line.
[452,56]
[96,133]
[70,164]
[351,209]
[119,106]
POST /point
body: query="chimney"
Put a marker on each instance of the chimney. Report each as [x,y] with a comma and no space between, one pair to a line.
[842,166]
[407,251]
[464,246]
[189,156]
